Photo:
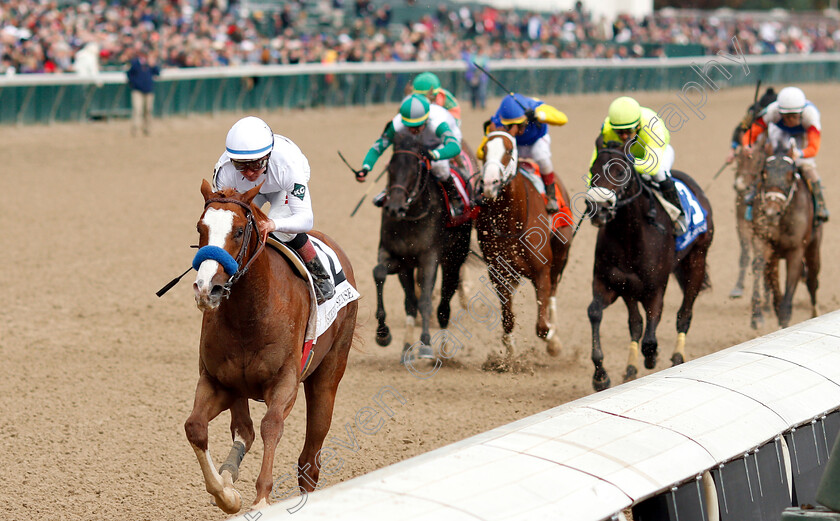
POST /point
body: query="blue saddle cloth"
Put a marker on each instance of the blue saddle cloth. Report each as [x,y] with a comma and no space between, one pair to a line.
[695,216]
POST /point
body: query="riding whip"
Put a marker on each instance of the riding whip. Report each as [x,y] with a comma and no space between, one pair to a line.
[497,82]
[172,283]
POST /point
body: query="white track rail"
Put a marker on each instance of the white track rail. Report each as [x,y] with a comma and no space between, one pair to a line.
[594,457]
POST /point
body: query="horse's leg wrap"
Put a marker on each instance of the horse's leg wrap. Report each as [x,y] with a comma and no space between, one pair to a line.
[234,459]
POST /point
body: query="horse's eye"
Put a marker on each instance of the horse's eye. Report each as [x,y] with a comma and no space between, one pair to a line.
[238,233]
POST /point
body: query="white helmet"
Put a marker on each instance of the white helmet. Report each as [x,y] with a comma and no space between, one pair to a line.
[249,138]
[791,100]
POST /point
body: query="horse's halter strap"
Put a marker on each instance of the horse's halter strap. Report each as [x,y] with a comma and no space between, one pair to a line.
[246,241]
[419,184]
[508,170]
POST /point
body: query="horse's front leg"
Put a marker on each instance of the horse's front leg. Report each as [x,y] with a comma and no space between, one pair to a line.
[380,273]
[758,265]
[279,399]
[653,309]
[210,400]
[792,275]
[602,297]
[636,325]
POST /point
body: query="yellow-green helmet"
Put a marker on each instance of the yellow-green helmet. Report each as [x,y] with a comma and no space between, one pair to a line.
[426,82]
[624,113]
[414,110]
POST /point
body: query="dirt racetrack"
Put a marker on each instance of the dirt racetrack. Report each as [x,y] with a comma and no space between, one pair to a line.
[98,374]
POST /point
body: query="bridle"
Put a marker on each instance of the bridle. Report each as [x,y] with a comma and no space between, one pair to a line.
[509,170]
[622,202]
[246,242]
[419,187]
[777,193]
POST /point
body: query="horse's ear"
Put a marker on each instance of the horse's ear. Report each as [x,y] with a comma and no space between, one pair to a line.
[206,189]
[250,194]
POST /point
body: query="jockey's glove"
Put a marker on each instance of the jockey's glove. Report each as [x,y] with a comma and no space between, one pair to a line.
[361,175]
[532,117]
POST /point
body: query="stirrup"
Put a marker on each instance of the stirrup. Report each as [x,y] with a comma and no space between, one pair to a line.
[680,225]
[324,290]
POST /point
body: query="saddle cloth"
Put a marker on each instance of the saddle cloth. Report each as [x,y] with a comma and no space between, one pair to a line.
[320,317]
[531,171]
[695,214]
[470,211]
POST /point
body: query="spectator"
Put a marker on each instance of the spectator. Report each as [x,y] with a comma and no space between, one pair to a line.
[86,62]
[141,79]
[476,79]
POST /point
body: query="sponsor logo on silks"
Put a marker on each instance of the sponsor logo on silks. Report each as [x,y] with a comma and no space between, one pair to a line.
[299,191]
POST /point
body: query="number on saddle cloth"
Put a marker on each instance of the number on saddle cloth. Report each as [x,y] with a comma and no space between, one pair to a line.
[695,216]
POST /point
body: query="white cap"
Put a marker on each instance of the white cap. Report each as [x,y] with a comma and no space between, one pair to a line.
[249,138]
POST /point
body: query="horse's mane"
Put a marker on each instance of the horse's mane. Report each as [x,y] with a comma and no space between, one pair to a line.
[407,142]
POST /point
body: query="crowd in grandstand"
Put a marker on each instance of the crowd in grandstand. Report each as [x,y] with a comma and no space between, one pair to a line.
[43,36]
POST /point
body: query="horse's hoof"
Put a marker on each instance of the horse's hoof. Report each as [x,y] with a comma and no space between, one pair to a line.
[815,312]
[736,293]
[424,352]
[757,322]
[650,353]
[677,359]
[384,340]
[631,373]
[600,380]
[553,346]
[407,355]
[230,500]
[600,385]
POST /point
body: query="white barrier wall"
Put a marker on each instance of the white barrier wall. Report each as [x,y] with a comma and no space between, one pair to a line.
[594,457]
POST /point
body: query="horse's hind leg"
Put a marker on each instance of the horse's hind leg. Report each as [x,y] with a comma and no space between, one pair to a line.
[320,389]
[410,305]
[758,267]
[693,273]
[210,400]
[279,400]
[545,305]
[812,262]
[636,325]
[242,432]
[743,228]
[650,346]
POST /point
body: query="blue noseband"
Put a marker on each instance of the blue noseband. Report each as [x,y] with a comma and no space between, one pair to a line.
[217,254]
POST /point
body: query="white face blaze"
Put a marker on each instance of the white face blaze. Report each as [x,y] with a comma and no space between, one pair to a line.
[493,168]
[219,224]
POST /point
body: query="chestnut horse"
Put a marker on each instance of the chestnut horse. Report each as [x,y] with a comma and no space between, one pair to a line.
[413,237]
[783,228]
[512,212]
[256,310]
[747,167]
[635,254]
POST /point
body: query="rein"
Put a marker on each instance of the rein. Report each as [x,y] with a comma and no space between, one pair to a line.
[213,252]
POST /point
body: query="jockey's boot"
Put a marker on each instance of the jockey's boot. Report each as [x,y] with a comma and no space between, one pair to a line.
[551,204]
[324,289]
[669,192]
[456,204]
[379,199]
[820,212]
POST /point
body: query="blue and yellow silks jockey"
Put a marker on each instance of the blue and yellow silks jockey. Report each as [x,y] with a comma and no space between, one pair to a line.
[647,140]
[527,120]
